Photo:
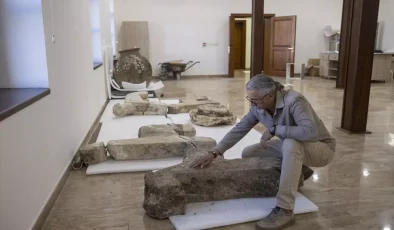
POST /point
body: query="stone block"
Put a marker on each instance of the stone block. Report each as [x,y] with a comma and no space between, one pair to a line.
[211,115]
[139,108]
[93,153]
[167,191]
[188,105]
[135,97]
[167,130]
[158,147]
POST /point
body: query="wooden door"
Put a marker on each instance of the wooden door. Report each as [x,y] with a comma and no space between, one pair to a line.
[283,35]
[239,44]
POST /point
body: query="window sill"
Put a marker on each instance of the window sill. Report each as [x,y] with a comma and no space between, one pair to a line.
[97,65]
[15,100]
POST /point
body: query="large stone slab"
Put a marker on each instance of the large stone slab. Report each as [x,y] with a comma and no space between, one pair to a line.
[93,153]
[139,108]
[158,147]
[211,115]
[167,130]
[188,105]
[168,191]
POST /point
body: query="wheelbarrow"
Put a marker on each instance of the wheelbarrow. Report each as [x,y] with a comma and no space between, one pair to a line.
[174,67]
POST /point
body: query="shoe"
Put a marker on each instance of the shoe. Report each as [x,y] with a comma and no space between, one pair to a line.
[277,219]
[307,172]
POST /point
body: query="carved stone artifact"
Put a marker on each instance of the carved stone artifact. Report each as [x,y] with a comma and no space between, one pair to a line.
[211,115]
[132,67]
[93,153]
[167,191]
[158,147]
[139,108]
[167,130]
[188,105]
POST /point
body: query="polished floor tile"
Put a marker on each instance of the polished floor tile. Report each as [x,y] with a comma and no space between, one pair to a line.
[356,191]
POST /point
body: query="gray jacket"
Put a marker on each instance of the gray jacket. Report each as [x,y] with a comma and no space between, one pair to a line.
[294,118]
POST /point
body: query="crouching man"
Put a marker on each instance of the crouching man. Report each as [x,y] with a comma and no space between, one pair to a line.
[302,141]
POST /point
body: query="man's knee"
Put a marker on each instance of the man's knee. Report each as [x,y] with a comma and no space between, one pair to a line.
[249,152]
[291,146]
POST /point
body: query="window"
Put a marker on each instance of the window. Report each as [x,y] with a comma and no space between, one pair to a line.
[96,32]
[112,18]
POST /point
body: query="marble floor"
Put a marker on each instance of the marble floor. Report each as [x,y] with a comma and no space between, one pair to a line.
[356,191]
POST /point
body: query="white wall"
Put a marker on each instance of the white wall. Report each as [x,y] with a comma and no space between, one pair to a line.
[178,28]
[38,143]
[22,45]
[386,16]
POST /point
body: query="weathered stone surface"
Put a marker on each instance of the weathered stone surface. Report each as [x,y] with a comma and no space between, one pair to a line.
[185,129]
[188,105]
[211,115]
[167,130]
[136,97]
[93,153]
[168,191]
[202,98]
[158,147]
[139,108]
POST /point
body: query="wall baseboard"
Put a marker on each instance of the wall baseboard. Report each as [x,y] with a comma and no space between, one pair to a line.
[92,133]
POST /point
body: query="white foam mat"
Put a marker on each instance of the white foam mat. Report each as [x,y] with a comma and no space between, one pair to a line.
[112,166]
[223,213]
[108,115]
[127,127]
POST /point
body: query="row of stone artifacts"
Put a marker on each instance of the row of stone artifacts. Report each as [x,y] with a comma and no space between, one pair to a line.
[167,191]
[203,112]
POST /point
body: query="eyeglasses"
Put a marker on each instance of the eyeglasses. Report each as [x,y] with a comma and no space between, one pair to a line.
[254,101]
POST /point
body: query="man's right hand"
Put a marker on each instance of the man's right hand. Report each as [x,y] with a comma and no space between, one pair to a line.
[203,161]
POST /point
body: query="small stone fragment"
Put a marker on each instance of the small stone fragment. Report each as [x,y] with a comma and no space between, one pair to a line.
[188,105]
[135,97]
[211,115]
[156,130]
[167,130]
[139,108]
[93,153]
[187,130]
[158,147]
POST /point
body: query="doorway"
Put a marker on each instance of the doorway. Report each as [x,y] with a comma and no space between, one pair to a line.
[279,43]
[239,44]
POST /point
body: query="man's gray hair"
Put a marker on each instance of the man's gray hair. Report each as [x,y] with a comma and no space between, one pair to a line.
[263,83]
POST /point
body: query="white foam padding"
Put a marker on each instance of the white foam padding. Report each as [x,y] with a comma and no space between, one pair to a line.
[112,166]
[223,213]
[127,127]
[108,113]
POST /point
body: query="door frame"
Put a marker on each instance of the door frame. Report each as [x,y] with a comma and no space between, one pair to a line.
[231,36]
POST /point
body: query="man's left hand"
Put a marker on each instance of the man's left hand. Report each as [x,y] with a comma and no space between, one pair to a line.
[266,137]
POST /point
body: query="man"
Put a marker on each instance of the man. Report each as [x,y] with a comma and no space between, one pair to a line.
[302,140]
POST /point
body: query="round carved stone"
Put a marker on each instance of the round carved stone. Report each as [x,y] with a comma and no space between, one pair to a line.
[211,115]
[132,67]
